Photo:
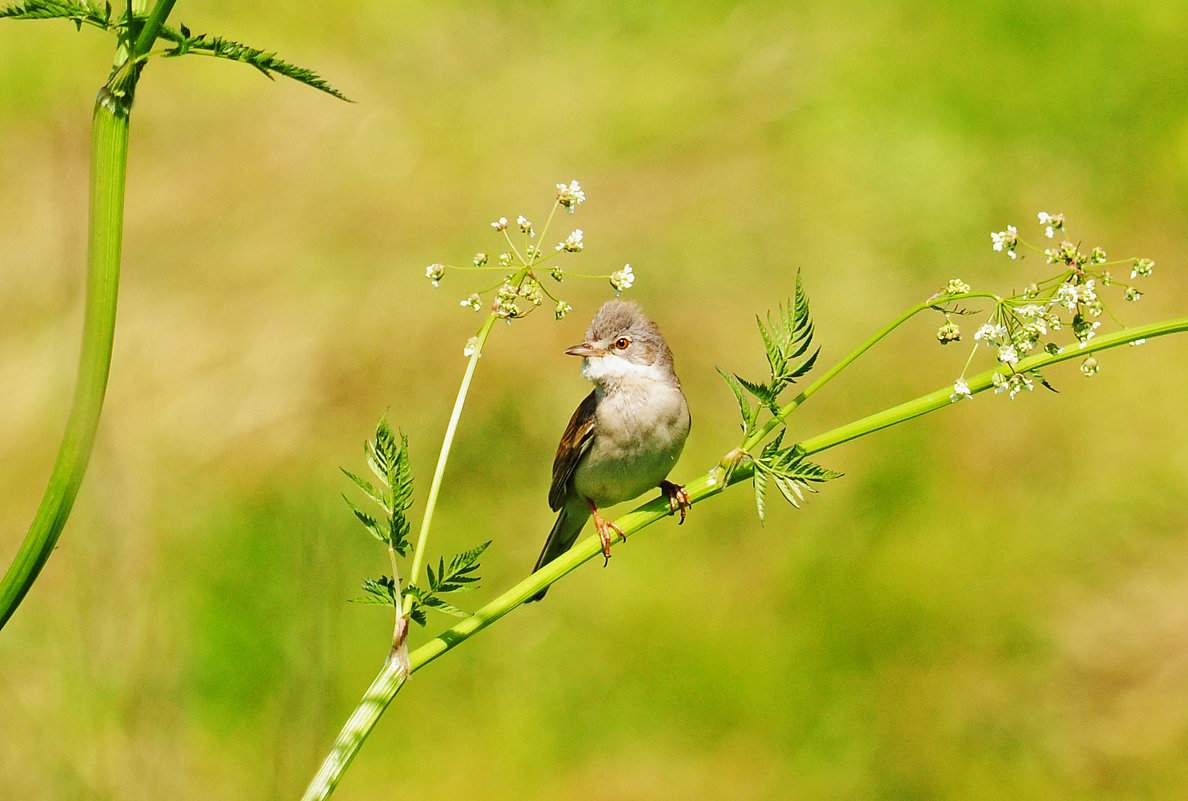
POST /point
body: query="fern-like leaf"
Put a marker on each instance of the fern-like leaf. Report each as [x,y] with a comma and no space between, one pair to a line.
[791,473]
[744,406]
[185,43]
[381,591]
[73,10]
[460,573]
[387,456]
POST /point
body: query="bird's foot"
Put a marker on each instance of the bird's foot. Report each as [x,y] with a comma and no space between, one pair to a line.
[604,526]
[678,499]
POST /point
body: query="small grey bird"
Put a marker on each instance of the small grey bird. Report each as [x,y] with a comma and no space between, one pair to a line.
[625,436]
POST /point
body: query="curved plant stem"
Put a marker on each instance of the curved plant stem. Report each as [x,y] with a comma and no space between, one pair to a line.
[109,163]
[109,154]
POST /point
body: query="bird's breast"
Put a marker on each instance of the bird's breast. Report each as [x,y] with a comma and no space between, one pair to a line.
[639,432]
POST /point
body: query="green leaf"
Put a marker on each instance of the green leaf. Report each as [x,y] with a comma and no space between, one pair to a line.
[377,495]
[744,406]
[370,523]
[387,456]
[425,599]
[185,43]
[76,12]
[380,591]
[759,479]
[792,474]
[460,573]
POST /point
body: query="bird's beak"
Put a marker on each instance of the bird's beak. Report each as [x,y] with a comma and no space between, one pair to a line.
[585,350]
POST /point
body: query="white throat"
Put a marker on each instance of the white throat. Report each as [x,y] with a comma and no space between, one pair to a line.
[613,369]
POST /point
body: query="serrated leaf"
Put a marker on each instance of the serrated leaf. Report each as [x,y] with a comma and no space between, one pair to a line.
[433,602]
[744,406]
[370,523]
[460,572]
[76,12]
[369,489]
[759,479]
[267,63]
[380,591]
[765,394]
[790,489]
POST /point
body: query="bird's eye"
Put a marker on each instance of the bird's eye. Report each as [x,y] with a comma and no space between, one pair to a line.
[622,342]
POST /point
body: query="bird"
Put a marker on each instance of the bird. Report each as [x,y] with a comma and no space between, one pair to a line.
[627,434]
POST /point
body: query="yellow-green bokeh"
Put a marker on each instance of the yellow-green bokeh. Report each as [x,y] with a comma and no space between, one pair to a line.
[989,605]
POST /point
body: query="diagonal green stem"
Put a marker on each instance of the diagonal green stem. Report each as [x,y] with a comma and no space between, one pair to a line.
[109,155]
[446,444]
[762,433]
[381,692]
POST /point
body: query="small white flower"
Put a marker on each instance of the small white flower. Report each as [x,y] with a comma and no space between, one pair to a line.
[1089,366]
[562,309]
[472,302]
[434,273]
[572,243]
[471,347]
[960,390]
[622,279]
[1067,296]
[570,196]
[1051,222]
[1141,267]
[525,226]
[1007,354]
[991,333]
[500,224]
[1006,240]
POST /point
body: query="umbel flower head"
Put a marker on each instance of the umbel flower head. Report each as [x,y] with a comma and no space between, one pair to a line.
[1033,320]
[522,263]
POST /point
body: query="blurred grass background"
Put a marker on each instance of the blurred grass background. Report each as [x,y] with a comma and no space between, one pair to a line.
[992,604]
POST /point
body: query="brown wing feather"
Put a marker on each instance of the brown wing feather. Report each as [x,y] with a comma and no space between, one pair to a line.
[574,443]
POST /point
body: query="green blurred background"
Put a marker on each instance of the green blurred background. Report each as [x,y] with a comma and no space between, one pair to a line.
[992,604]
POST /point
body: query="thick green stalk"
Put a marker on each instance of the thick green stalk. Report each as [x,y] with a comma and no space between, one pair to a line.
[109,156]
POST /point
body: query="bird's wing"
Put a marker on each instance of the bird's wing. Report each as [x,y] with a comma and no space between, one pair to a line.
[574,444]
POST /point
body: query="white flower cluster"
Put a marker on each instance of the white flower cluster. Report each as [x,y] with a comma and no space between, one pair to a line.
[622,279]
[570,196]
[1021,324]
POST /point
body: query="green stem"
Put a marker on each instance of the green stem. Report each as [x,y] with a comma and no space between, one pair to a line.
[761,434]
[109,166]
[152,26]
[444,455]
[387,684]
[355,732]
[983,381]
[109,158]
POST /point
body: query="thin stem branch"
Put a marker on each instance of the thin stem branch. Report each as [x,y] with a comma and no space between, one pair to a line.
[763,432]
[444,455]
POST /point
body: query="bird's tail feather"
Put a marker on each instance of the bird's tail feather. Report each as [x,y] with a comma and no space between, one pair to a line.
[565,532]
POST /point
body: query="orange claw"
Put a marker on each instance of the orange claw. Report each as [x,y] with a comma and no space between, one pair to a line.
[678,499]
[602,525]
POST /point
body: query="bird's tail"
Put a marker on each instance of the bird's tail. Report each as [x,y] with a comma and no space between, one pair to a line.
[561,538]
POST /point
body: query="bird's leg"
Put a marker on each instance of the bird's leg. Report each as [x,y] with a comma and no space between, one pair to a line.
[678,499]
[602,525]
